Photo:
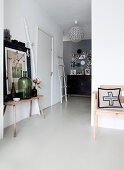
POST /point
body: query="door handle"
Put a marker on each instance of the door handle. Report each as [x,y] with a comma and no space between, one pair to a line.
[51,74]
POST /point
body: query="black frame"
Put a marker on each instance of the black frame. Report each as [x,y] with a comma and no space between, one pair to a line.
[20,47]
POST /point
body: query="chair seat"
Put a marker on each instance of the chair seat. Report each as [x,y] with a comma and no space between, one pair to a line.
[111,109]
[121,109]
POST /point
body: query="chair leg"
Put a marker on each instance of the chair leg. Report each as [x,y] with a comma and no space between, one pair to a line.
[94,132]
[95,126]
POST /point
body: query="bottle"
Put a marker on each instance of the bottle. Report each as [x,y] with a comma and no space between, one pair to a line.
[34,92]
[13,91]
[25,86]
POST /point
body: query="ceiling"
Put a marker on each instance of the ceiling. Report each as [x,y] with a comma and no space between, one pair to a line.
[65,12]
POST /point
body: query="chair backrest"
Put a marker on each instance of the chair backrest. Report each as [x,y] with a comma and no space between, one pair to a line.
[115,86]
[112,87]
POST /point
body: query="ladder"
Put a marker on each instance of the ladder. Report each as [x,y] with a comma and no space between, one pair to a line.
[62,79]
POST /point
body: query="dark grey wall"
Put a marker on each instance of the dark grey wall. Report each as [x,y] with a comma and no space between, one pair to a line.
[70,47]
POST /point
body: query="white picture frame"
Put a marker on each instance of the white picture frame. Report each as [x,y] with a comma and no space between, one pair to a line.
[73,72]
[87,71]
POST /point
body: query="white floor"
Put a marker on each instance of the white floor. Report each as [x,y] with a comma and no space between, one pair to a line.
[63,141]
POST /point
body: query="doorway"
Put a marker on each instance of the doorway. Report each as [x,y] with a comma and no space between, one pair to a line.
[45,65]
[78,66]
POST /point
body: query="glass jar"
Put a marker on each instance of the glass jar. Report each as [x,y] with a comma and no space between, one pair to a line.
[25,86]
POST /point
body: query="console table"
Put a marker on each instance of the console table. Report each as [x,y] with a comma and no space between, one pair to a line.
[79,85]
[13,104]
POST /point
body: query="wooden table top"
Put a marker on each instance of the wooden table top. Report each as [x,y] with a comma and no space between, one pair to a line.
[12,103]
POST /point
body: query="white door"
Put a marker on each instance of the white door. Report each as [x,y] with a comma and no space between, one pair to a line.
[44,66]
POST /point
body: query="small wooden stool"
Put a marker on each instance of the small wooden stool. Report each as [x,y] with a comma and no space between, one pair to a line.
[13,104]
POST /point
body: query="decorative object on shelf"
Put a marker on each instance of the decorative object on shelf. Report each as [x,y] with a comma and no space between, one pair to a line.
[13,92]
[82,70]
[16,60]
[7,35]
[37,83]
[87,71]
[75,33]
[16,99]
[25,86]
[73,72]
[34,92]
[79,74]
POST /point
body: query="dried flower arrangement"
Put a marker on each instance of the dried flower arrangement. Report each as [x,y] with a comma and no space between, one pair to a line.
[37,82]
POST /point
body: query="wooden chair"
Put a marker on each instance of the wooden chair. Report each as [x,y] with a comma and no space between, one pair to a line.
[116,112]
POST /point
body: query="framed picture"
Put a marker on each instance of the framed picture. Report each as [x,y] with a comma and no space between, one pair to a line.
[87,71]
[73,72]
[16,61]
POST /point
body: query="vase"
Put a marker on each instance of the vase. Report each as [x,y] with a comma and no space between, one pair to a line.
[34,92]
[13,91]
[25,86]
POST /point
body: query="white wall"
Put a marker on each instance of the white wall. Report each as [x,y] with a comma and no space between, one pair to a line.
[1,69]
[107,49]
[14,13]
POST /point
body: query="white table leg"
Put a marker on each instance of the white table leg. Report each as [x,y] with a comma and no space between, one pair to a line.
[40,107]
[14,116]
[30,108]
